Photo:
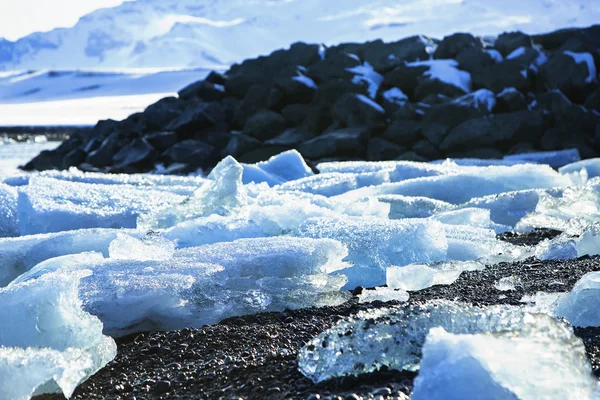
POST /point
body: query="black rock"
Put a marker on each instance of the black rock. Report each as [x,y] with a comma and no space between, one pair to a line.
[262,153]
[592,102]
[406,111]
[344,143]
[480,152]
[433,132]
[554,101]
[358,110]
[510,100]
[317,120]
[194,153]
[47,159]
[240,143]
[411,156]
[329,92]
[564,136]
[198,116]
[426,149]
[452,114]
[474,59]
[508,42]
[73,158]
[563,73]
[264,125]
[256,100]
[202,90]
[294,114]
[216,78]
[294,90]
[554,40]
[500,131]
[379,149]
[290,137]
[135,153]
[104,154]
[334,65]
[498,77]
[403,132]
[404,78]
[451,45]
[428,86]
[161,140]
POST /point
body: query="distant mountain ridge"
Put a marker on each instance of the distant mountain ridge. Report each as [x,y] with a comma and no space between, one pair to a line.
[209,33]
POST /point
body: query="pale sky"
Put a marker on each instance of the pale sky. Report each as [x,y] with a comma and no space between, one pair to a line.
[21,17]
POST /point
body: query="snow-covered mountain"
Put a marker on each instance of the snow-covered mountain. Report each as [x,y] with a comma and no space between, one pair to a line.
[207,33]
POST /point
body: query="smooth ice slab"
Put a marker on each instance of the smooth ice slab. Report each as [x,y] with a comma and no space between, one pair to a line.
[554,159]
[283,167]
[393,337]
[540,360]
[421,276]
[581,306]
[591,167]
[374,244]
[52,205]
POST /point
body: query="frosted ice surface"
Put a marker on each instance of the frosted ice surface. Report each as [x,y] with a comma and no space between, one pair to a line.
[375,244]
[393,337]
[283,167]
[554,159]
[421,276]
[413,206]
[446,71]
[9,224]
[47,313]
[221,194]
[152,247]
[470,182]
[52,205]
[382,294]
[581,306]
[336,183]
[41,370]
[477,162]
[540,360]
[401,169]
[365,73]
[20,254]
[592,167]
[508,283]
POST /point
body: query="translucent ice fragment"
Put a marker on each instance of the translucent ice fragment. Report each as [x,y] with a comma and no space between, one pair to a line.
[375,244]
[393,337]
[283,167]
[420,276]
[383,294]
[476,217]
[413,206]
[508,283]
[581,306]
[540,360]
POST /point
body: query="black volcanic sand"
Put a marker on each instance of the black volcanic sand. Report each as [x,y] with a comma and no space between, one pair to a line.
[254,357]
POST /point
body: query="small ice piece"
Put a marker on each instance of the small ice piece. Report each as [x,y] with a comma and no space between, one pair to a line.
[305,80]
[591,166]
[383,294]
[508,283]
[584,58]
[9,223]
[482,99]
[581,306]
[393,337]
[495,54]
[370,103]
[413,206]
[516,53]
[283,167]
[365,73]
[51,205]
[446,71]
[554,159]
[395,96]
[541,360]
[20,254]
[421,276]
[41,370]
[223,193]
[559,248]
[476,217]
[46,313]
[152,247]
[375,244]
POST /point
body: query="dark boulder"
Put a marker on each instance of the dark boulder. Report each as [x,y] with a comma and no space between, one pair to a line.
[474,59]
[510,100]
[452,114]
[343,143]
[73,158]
[290,137]
[452,45]
[426,149]
[296,89]
[433,86]
[379,149]
[358,110]
[47,159]
[256,99]
[411,156]
[480,152]
[194,153]
[564,73]
[498,77]
[334,65]
[592,102]
[198,116]
[317,120]
[403,132]
[215,78]
[240,143]
[508,42]
[202,90]
[500,131]
[161,140]
[262,153]
[553,40]
[103,155]
[406,78]
[554,101]
[138,155]
[163,112]
[264,125]
[329,92]
[294,114]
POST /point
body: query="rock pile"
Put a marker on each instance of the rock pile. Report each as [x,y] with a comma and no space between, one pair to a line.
[415,99]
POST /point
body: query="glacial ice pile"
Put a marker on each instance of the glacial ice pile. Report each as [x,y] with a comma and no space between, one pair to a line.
[45,330]
[541,359]
[394,337]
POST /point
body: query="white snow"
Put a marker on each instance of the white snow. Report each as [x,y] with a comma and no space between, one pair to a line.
[395,95]
[588,60]
[495,54]
[305,80]
[481,99]
[370,103]
[516,53]
[446,71]
[365,73]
